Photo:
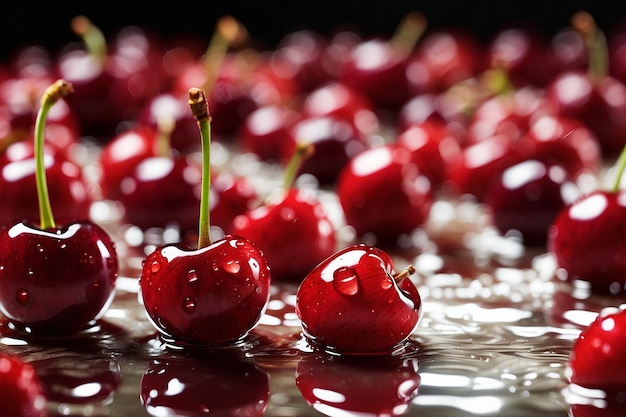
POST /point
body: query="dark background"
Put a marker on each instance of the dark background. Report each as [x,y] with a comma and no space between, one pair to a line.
[47,23]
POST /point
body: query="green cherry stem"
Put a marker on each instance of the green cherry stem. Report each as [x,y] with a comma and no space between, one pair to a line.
[595,40]
[227,32]
[53,93]
[200,111]
[621,166]
[92,36]
[303,150]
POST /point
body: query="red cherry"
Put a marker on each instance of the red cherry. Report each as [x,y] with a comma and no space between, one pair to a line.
[527,197]
[22,393]
[335,142]
[231,195]
[353,302]
[162,191]
[568,51]
[366,388]
[289,213]
[586,240]
[384,194]
[598,358]
[69,193]
[434,147]
[222,387]
[211,295]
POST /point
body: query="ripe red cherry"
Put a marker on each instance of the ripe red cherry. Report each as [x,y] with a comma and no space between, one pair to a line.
[586,241]
[526,198]
[353,302]
[212,295]
[226,387]
[266,131]
[55,279]
[434,148]
[231,195]
[289,212]
[22,393]
[383,193]
[374,388]
[598,358]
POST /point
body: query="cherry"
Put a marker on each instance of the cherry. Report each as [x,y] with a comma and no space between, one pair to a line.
[225,386]
[592,96]
[383,194]
[585,239]
[335,142]
[231,195]
[598,360]
[434,147]
[354,302]
[526,198]
[214,294]
[55,279]
[376,388]
[290,212]
[22,392]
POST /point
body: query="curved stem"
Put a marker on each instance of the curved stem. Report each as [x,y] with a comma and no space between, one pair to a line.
[621,166]
[227,31]
[585,24]
[200,110]
[409,32]
[410,270]
[303,151]
[92,36]
[53,93]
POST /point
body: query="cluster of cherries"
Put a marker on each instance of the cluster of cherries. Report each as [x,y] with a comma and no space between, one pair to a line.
[516,126]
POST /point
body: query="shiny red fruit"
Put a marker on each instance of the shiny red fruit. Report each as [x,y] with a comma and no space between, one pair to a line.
[384,194]
[296,212]
[527,197]
[368,388]
[231,195]
[598,358]
[209,296]
[351,304]
[22,393]
[220,387]
[265,132]
[56,281]
[587,241]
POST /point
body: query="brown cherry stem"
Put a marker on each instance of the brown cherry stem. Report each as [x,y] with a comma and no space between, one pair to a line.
[200,110]
[409,270]
[585,24]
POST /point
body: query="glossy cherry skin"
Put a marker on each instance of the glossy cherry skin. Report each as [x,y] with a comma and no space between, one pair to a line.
[374,388]
[121,155]
[383,193]
[295,212]
[209,296]
[527,197]
[378,70]
[598,104]
[351,304]
[22,393]
[335,141]
[586,241]
[56,281]
[162,191]
[226,387]
[265,132]
[434,148]
[231,195]
[70,197]
[598,358]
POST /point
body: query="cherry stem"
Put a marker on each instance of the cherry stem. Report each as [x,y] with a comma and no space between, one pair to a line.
[200,111]
[303,150]
[165,127]
[409,32]
[410,270]
[585,24]
[227,31]
[53,93]
[621,166]
[92,36]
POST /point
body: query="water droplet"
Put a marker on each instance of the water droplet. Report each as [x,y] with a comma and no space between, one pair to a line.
[386,284]
[22,296]
[215,266]
[189,305]
[155,266]
[231,266]
[192,277]
[346,281]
